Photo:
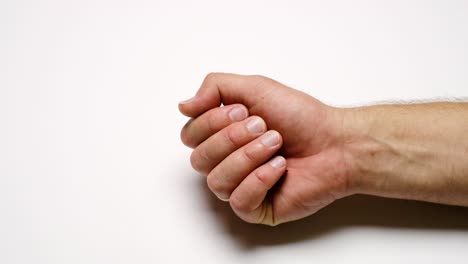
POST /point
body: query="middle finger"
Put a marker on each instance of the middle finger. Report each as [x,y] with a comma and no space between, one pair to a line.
[217,147]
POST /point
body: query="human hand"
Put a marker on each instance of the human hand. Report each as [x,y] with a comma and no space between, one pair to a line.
[310,160]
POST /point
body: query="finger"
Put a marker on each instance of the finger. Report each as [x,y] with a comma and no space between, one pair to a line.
[199,129]
[225,88]
[227,175]
[248,199]
[217,147]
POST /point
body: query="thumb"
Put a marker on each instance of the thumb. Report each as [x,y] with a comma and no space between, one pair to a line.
[223,88]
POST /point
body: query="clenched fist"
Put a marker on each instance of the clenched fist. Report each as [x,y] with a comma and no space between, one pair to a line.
[273,152]
[277,154]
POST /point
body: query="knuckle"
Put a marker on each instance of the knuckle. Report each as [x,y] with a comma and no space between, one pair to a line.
[261,177]
[198,159]
[211,123]
[258,77]
[211,76]
[249,154]
[187,139]
[230,137]
[262,81]
[214,184]
[185,135]
[194,161]
[239,205]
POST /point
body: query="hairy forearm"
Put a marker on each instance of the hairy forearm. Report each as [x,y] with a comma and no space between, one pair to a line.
[416,151]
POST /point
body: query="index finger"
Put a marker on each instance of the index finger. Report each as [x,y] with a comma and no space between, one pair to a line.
[224,88]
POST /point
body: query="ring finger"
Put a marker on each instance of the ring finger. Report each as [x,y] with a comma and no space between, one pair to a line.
[227,175]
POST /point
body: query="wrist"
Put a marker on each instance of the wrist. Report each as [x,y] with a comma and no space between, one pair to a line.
[368,156]
[413,152]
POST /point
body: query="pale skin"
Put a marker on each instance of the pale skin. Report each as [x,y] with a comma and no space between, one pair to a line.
[277,154]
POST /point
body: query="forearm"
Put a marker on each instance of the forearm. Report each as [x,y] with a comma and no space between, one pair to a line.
[417,151]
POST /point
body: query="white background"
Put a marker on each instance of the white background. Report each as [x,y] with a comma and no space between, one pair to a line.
[91,166]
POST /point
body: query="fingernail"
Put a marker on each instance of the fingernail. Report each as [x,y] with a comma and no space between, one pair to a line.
[278,162]
[256,125]
[270,139]
[223,199]
[188,100]
[237,114]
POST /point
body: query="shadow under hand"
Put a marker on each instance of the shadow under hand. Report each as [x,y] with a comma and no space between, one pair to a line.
[357,210]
